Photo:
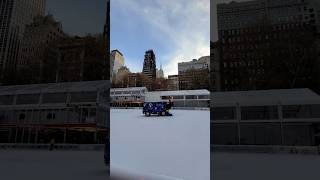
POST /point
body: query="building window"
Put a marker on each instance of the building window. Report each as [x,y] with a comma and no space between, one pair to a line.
[301,111]
[191,97]
[22,116]
[28,99]
[177,97]
[51,116]
[84,97]
[6,100]
[259,112]
[224,113]
[54,98]
[203,97]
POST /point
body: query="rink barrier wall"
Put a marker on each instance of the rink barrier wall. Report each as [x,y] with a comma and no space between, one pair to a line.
[174,108]
[126,108]
[192,108]
[65,147]
[312,150]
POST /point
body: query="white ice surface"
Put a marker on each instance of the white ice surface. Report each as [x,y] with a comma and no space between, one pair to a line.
[176,146]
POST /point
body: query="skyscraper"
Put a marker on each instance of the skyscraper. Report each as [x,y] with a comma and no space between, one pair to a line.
[268,44]
[149,65]
[106,37]
[194,74]
[38,37]
[160,73]
[117,61]
[173,82]
[15,14]
[215,84]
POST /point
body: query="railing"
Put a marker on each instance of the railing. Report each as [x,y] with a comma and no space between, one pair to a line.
[177,108]
[306,150]
[72,147]
[266,149]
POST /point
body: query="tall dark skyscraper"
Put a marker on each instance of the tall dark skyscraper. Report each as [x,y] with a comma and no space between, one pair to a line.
[15,14]
[149,65]
[268,44]
[106,37]
[106,76]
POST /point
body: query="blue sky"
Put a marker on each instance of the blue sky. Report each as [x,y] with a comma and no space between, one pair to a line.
[177,31]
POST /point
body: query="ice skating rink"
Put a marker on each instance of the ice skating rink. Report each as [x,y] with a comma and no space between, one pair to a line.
[176,146]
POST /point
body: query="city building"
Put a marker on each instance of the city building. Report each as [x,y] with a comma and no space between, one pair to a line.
[75,59]
[106,75]
[149,65]
[117,61]
[173,82]
[265,117]
[133,79]
[194,74]
[215,81]
[269,44]
[201,63]
[72,112]
[160,73]
[106,39]
[122,73]
[121,79]
[38,36]
[14,16]
[237,15]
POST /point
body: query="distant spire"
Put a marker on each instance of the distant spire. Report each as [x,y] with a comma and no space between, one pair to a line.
[160,65]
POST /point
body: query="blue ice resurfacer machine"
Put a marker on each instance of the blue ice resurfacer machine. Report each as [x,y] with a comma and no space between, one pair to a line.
[158,108]
[157,104]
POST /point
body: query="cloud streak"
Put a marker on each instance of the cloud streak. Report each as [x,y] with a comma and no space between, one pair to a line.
[181,25]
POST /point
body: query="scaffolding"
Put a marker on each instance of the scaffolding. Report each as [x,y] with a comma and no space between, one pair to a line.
[72,112]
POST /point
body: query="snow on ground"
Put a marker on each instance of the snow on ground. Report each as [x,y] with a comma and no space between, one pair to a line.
[175,146]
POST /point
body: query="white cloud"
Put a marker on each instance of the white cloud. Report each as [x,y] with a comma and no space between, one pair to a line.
[184,23]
